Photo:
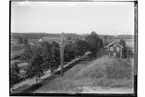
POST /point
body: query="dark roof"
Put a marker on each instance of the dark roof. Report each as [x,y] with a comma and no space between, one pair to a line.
[108,44]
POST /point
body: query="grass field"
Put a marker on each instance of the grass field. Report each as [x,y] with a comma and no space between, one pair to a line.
[105,75]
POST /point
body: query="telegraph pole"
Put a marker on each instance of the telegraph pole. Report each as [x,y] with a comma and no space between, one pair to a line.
[53,51]
[62,53]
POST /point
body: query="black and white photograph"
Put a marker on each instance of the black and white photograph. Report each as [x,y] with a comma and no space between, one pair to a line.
[73,47]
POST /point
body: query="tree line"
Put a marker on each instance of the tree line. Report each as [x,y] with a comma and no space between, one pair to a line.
[45,56]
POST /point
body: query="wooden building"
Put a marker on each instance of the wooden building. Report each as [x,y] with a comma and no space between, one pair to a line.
[115,49]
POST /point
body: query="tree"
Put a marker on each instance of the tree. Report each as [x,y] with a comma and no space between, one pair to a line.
[130,53]
[36,68]
[80,47]
[14,78]
[94,42]
[100,43]
[105,40]
[27,54]
[56,45]
[14,75]
[50,63]
[20,40]
[122,42]
[105,37]
[69,51]
[56,54]
[45,48]
[25,40]
[30,51]
[69,38]
[42,60]
[124,49]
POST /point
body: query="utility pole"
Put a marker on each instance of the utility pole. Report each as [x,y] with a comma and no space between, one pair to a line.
[62,53]
[53,52]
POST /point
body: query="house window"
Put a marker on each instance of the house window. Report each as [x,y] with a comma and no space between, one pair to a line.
[114,54]
[111,48]
[117,49]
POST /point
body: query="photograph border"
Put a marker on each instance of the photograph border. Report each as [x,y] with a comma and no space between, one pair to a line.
[84,94]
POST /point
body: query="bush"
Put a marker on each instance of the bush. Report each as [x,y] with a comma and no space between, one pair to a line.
[14,76]
[94,42]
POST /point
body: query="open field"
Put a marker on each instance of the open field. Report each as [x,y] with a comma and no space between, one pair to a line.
[105,75]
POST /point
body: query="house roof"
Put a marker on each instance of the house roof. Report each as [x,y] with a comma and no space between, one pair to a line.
[113,43]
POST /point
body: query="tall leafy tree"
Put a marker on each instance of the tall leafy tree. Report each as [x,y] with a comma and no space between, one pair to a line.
[25,40]
[36,60]
[20,40]
[56,53]
[122,42]
[124,50]
[69,51]
[69,38]
[100,43]
[27,54]
[81,47]
[94,43]
[105,40]
[45,48]
[50,63]
[56,45]
[36,68]
[14,74]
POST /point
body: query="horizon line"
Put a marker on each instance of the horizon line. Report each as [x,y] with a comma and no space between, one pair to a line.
[68,33]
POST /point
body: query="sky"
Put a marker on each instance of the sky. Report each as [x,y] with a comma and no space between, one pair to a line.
[112,18]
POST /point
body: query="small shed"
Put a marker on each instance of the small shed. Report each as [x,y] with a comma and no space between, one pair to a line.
[115,49]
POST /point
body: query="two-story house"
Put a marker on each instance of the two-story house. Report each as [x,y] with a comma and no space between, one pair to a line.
[114,49]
